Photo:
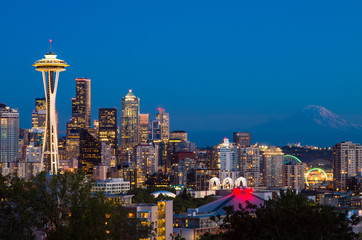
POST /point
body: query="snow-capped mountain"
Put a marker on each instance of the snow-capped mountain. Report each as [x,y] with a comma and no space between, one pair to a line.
[311,125]
[322,117]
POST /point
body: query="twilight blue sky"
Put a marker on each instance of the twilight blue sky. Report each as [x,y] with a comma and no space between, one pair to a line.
[215,66]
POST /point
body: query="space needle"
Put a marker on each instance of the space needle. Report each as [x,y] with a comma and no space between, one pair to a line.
[50,67]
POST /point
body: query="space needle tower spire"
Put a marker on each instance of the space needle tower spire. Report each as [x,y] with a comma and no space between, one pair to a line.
[50,67]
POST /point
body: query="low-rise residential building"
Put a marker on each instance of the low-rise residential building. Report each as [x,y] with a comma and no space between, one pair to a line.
[120,199]
[160,215]
[112,186]
[193,225]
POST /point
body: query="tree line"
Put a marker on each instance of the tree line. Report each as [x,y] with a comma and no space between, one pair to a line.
[62,206]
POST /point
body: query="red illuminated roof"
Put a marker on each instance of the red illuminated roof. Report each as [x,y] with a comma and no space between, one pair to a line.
[239,196]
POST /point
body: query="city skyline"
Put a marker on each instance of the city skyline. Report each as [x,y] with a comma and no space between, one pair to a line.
[284,65]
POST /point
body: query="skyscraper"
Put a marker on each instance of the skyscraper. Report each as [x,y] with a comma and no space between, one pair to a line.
[249,160]
[50,67]
[179,134]
[90,152]
[144,122]
[81,105]
[242,138]
[108,128]
[146,156]
[347,163]
[225,156]
[130,122]
[40,104]
[39,114]
[293,175]
[9,134]
[164,120]
[155,131]
[81,115]
[272,166]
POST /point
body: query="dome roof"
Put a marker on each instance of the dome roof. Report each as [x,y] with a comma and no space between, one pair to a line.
[166,193]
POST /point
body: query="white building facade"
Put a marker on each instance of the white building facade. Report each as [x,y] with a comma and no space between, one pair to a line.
[112,186]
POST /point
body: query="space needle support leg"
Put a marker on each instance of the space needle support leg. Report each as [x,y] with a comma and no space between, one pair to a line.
[54,129]
[46,124]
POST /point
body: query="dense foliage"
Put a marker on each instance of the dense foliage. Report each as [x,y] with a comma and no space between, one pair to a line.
[290,216]
[61,207]
[180,203]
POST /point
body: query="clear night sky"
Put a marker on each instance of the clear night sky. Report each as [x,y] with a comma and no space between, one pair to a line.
[213,65]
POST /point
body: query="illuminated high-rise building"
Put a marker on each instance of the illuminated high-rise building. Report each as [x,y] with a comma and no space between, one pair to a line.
[40,104]
[9,134]
[144,123]
[164,120]
[50,67]
[90,152]
[81,115]
[293,175]
[81,105]
[225,157]
[347,163]
[130,122]
[249,162]
[179,134]
[96,125]
[242,138]
[146,158]
[39,114]
[155,131]
[108,128]
[272,166]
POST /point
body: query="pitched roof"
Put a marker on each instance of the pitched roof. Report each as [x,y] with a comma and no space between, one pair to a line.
[239,196]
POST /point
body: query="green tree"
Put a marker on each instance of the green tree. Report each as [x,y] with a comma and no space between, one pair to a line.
[177,237]
[66,208]
[290,216]
[16,217]
[122,227]
[62,206]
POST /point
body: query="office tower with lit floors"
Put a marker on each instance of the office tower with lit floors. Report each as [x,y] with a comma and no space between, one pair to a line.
[272,166]
[179,134]
[81,114]
[249,162]
[108,127]
[347,163]
[164,119]
[146,158]
[144,125]
[81,105]
[90,152]
[9,135]
[242,138]
[50,67]
[130,123]
[39,114]
[225,157]
[155,131]
[293,175]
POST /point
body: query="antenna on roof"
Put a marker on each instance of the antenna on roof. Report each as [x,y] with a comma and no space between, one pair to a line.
[50,43]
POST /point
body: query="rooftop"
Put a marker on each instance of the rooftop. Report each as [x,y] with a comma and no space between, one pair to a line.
[166,193]
[239,196]
[178,131]
[130,94]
